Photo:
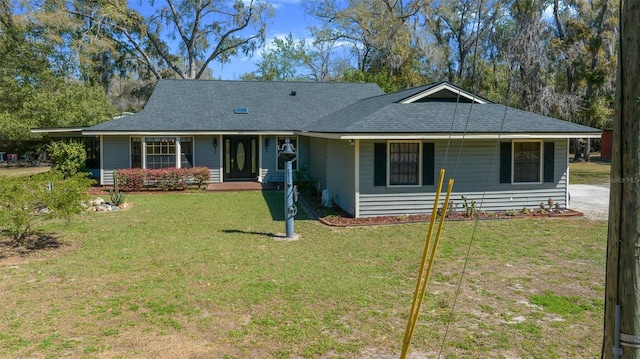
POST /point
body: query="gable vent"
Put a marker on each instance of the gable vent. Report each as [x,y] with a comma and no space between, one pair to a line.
[241,110]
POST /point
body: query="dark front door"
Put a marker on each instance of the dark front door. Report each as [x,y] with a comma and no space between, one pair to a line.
[240,158]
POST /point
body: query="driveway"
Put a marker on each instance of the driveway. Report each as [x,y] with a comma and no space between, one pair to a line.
[592,200]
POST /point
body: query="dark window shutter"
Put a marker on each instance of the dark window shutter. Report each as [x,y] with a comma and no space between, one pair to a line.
[505,162]
[428,163]
[549,154]
[379,164]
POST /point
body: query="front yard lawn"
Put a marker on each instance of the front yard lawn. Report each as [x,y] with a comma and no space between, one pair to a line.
[199,275]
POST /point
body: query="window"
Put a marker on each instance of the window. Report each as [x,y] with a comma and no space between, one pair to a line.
[136,152]
[526,161]
[280,142]
[161,152]
[404,163]
[186,152]
[408,163]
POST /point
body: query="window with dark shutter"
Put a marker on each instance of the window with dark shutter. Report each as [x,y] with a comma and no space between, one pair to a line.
[428,164]
[505,162]
[379,164]
[404,163]
[549,154]
[526,162]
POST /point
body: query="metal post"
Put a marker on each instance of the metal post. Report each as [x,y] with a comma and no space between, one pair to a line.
[617,351]
[289,208]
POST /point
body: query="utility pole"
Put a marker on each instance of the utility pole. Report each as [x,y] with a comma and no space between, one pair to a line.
[622,289]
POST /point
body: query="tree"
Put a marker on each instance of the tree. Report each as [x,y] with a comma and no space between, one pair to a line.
[522,42]
[282,61]
[585,45]
[379,32]
[322,58]
[458,27]
[204,30]
[35,90]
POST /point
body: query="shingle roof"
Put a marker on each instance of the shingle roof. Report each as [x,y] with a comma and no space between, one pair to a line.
[336,108]
[179,105]
[370,116]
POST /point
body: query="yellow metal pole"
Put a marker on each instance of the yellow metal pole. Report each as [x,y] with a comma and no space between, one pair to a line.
[410,324]
[433,254]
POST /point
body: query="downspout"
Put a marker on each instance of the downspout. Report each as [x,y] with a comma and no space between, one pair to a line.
[102,159]
[356,176]
[567,196]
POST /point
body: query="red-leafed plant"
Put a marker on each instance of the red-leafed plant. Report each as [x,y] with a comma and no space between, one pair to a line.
[165,179]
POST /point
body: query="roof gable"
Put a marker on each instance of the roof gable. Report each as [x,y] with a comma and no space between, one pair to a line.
[445,92]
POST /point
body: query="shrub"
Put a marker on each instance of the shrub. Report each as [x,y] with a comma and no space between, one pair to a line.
[27,201]
[131,179]
[166,179]
[201,176]
[67,157]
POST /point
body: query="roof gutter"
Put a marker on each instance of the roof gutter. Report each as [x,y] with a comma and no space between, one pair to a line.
[185,133]
[445,136]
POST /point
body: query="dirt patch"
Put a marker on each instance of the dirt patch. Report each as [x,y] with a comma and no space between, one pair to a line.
[37,246]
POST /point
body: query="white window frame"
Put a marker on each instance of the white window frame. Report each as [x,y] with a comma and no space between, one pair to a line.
[540,162]
[178,149]
[294,164]
[420,154]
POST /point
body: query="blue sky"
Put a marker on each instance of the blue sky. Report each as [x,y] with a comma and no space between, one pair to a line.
[289,17]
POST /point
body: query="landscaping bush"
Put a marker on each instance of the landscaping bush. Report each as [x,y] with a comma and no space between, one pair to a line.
[27,201]
[165,179]
[67,157]
[131,179]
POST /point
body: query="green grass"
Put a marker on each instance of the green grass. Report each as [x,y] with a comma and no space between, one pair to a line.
[200,275]
[21,171]
[561,304]
[594,172]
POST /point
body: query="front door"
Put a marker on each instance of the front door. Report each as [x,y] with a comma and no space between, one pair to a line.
[240,158]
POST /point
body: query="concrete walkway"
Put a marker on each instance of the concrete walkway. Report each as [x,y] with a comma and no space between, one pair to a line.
[592,200]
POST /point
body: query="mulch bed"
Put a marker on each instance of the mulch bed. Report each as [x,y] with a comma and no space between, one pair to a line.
[338,218]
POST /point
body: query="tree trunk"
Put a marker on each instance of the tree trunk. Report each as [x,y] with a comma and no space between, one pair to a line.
[623,242]
[577,152]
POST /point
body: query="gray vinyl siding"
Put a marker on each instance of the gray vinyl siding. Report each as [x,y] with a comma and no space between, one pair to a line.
[115,155]
[206,155]
[341,174]
[318,162]
[269,160]
[269,169]
[475,169]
